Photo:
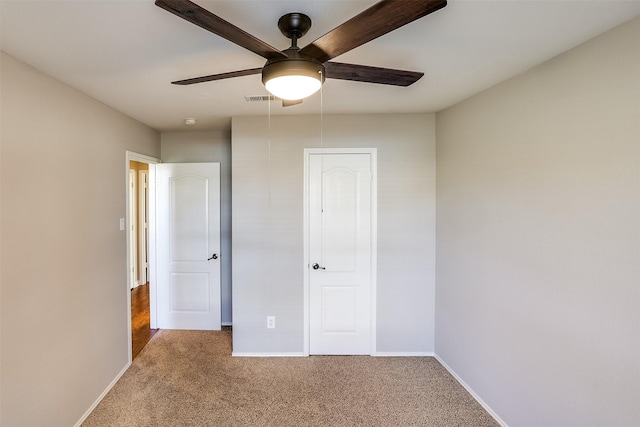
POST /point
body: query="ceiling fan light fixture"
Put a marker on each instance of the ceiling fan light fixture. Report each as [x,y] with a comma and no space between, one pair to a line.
[293,79]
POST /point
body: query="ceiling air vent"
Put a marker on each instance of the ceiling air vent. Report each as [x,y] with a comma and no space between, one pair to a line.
[263,98]
[260,98]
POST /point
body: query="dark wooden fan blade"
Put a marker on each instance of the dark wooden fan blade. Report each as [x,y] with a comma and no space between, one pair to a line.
[221,76]
[381,18]
[289,103]
[363,73]
[193,13]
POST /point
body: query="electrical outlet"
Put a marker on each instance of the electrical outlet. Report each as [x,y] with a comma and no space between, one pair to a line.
[271,322]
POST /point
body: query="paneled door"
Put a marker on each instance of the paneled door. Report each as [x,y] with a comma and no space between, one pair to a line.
[340,197]
[188,245]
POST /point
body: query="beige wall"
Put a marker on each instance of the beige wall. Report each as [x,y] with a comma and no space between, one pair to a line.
[267,194]
[214,146]
[64,279]
[538,247]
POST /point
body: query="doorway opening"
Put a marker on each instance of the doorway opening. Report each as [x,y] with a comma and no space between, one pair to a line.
[140,225]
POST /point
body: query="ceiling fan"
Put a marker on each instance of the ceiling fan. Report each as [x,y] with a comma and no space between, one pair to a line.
[295,73]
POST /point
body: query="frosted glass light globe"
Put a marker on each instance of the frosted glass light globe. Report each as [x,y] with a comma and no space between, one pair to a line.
[293,87]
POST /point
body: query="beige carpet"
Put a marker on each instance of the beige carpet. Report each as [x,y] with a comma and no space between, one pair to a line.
[188,378]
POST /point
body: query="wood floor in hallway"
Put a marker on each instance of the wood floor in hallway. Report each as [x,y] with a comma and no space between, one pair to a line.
[141,331]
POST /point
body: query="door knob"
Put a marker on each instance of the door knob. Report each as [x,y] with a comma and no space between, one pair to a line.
[316,267]
[214,256]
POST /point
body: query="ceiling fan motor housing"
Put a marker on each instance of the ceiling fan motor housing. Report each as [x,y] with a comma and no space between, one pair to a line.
[294,65]
[297,67]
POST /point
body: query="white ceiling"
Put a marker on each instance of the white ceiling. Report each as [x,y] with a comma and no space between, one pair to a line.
[125,53]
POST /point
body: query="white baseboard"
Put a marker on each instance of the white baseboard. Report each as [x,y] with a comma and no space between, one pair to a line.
[403,354]
[226,324]
[104,393]
[378,354]
[472,393]
[294,354]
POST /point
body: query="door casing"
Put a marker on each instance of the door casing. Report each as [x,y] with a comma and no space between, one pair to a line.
[143,226]
[374,237]
[133,220]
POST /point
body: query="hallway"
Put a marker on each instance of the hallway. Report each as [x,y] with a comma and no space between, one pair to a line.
[141,332]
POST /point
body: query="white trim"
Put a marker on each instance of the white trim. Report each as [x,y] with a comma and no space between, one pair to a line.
[404,354]
[153,276]
[332,150]
[305,233]
[226,324]
[129,156]
[373,152]
[143,233]
[471,392]
[374,250]
[102,395]
[132,228]
[293,354]
[142,158]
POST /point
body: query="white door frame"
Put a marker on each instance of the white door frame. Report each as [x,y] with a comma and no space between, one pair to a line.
[133,230]
[143,226]
[374,236]
[129,156]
